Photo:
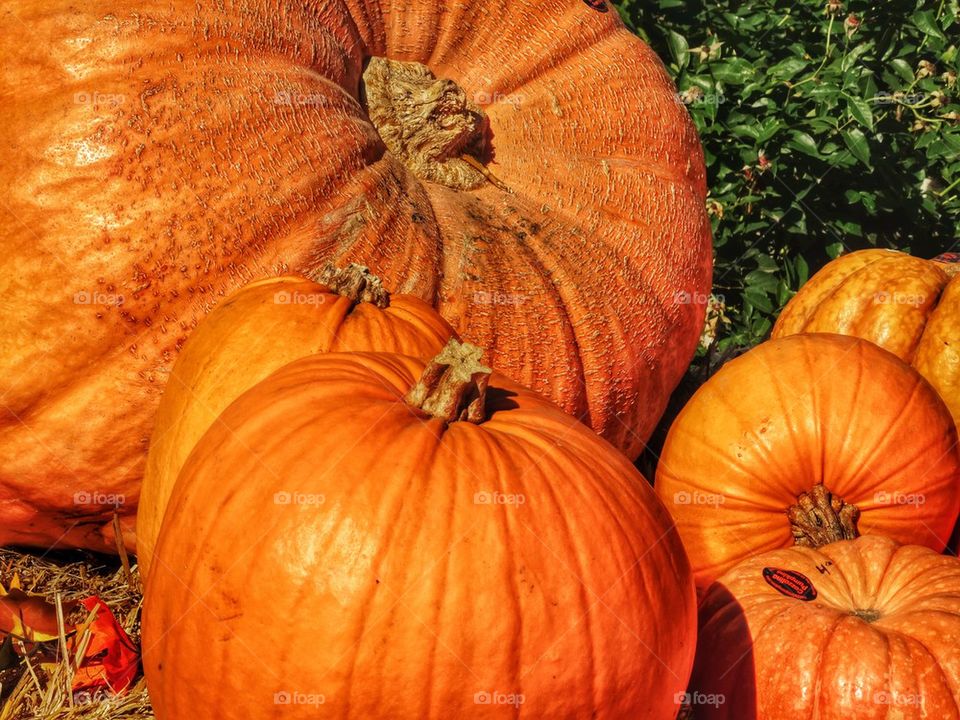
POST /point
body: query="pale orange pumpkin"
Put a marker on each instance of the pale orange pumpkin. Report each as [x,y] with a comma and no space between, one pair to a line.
[809,439]
[904,304]
[862,629]
[256,330]
[540,185]
[454,547]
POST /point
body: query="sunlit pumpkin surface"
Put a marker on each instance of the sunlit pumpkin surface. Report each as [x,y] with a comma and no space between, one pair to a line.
[255,331]
[326,538]
[795,412]
[880,639]
[158,155]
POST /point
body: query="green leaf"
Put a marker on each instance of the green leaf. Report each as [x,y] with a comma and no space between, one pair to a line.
[902,68]
[859,109]
[834,250]
[804,143]
[857,143]
[678,49]
[926,20]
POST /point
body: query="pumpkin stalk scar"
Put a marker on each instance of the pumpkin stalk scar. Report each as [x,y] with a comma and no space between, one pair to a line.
[820,518]
[354,282]
[454,385]
[427,123]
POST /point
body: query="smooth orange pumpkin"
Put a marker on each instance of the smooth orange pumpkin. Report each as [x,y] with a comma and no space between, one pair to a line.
[858,630]
[809,439]
[542,188]
[904,304]
[453,547]
[258,329]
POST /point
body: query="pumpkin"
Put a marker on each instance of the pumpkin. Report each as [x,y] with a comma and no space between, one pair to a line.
[356,543]
[807,440]
[523,166]
[256,330]
[856,630]
[904,304]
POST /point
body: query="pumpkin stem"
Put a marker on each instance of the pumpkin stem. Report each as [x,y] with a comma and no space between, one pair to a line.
[429,124]
[354,282]
[820,518]
[454,385]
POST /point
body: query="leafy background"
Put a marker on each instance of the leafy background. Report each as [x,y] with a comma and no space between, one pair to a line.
[827,127]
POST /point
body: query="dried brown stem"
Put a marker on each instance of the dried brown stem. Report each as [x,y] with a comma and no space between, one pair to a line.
[820,518]
[354,282]
[454,385]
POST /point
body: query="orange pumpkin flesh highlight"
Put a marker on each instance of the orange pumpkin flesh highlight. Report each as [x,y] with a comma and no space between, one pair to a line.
[878,641]
[904,304]
[791,414]
[327,538]
[167,153]
[255,331]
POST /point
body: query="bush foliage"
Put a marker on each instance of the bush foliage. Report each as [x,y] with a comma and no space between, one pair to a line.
[827,127]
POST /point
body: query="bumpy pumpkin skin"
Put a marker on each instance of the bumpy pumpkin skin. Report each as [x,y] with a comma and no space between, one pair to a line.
[879,640]
[904,304]
[400,593]
[170,152]
[255,331]
[795,412]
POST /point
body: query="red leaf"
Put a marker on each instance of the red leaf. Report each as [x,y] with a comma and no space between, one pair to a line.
[111,660]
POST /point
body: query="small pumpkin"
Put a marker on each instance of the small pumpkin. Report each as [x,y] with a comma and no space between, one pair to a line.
[256,330]
[523,166]
[410,549]
[904,304]
[856,630]
[809,439]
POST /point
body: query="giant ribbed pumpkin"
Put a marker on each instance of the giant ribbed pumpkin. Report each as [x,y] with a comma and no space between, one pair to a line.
[807,440]
[357,544]
[904,304]
[522,165]
[865,629]
[256,330]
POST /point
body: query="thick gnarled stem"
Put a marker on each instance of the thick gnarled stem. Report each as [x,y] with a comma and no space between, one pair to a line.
[454,385]
[820,518]
[354,282]
[429,124]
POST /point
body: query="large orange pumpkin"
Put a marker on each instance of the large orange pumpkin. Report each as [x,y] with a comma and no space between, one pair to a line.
[256,330]
[904,304]
[809,439]
[522,165]
[858,630]
[356,544]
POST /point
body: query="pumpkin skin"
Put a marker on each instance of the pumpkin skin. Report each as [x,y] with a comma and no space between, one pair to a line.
[403,578]
[797,412]
[879,640]
[169,153]
[255,331]
[904,304]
